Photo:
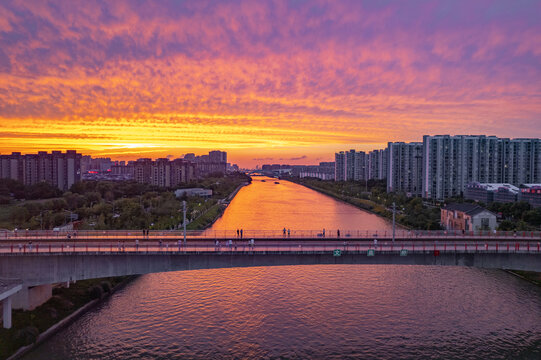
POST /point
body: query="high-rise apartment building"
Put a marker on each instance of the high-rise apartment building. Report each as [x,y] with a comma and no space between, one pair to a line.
[339,166]
[350,165]
[214,162]
[163,172]
[450,163]
[58,169]
[377,164]
[404,167]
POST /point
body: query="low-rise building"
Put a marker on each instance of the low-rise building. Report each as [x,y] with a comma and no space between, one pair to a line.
[467,217]
[193,192]
[531,193]
[491,192]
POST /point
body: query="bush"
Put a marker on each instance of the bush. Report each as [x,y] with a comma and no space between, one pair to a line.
[27,335]
[95,292]
[106,286]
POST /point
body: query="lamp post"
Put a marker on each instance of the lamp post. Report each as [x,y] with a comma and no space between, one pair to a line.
[394,211]
[184,221]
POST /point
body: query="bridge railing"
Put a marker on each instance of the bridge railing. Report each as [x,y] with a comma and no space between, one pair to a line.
[296,246]
[269,234]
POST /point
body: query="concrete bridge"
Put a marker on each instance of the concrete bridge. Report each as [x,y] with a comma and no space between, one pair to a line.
[34,265]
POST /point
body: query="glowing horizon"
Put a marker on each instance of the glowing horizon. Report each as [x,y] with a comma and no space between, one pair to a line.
[266,81]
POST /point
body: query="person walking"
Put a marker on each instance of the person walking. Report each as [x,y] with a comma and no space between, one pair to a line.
[136,244]
[338,233]
[241,233]
[288,232]
[238,233]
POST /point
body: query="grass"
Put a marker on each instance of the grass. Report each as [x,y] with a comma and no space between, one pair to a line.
[206,219]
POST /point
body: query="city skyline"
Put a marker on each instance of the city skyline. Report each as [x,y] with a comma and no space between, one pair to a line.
[290,82]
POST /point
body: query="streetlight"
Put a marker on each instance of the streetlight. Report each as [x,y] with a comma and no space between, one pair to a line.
[394,211]
[184,221]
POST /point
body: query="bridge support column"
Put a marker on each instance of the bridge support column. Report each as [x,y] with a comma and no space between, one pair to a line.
[30,298]
[6,313]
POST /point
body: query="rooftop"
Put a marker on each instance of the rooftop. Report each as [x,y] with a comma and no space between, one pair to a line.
[467,208]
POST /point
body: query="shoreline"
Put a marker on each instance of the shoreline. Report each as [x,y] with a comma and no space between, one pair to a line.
[63,323]
[224,203]
[336,197]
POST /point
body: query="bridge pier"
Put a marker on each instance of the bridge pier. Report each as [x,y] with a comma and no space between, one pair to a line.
[6,312]
[8,289]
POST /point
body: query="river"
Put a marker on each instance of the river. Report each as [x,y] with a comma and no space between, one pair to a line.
[300,312]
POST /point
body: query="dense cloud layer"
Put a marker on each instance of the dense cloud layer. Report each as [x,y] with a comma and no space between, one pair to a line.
[169,75]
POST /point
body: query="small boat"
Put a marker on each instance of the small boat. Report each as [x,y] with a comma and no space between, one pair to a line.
[263,180]
[276,182]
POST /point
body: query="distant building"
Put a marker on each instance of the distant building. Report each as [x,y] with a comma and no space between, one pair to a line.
[61,170]
[487,193]
[450,163]
[467,217]
[531,193]
[377,164]
[163,172]
[323,171]
[350,165]
[405,168]
[193,192]
[214,162]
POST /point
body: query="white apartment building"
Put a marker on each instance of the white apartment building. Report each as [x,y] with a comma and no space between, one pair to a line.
[404,168]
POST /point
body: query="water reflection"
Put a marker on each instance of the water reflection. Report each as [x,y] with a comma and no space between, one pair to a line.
[264,205]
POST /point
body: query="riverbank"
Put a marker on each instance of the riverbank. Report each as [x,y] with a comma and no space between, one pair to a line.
[363,204]
[205,220]
[411,213]
[31,328]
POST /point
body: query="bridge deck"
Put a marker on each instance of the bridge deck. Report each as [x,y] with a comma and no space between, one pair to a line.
[199,245]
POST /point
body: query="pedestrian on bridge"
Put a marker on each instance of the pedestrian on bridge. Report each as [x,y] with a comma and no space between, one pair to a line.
[241,233]
[238,233]
[284,232]
[288,232]
[136,244]
[338,233]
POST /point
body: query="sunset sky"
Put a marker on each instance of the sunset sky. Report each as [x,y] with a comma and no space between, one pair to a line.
[266,81]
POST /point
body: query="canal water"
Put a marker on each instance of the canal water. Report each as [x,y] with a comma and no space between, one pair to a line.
[309,312]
